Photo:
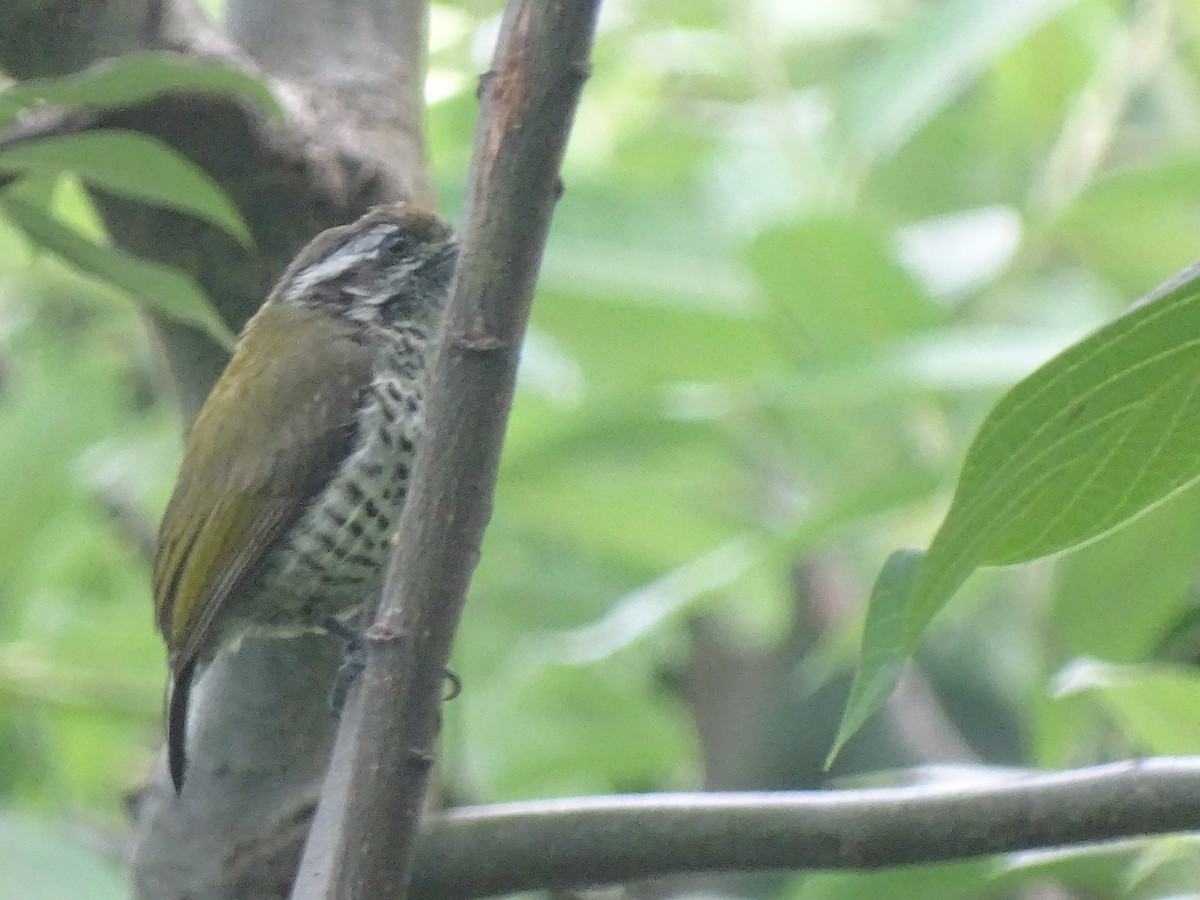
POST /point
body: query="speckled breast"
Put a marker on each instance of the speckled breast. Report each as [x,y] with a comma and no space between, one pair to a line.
[331,562]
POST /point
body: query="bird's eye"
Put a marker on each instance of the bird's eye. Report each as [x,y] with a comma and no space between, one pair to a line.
[394,242]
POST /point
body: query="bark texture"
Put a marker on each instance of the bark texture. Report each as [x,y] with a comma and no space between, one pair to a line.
[349,77]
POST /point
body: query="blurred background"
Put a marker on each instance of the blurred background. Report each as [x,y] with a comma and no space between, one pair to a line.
[804,246]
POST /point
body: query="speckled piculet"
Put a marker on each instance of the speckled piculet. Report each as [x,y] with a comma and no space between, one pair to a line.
[296,469]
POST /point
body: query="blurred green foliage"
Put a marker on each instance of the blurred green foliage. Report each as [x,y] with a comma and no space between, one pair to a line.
[803,248]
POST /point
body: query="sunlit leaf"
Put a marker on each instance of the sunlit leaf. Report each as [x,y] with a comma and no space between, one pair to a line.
[642,611]
[944,359]
[1094,437]
[583,729]
[618,340]
[134,78]
[1135,223]
[1157,706]
[1091,601]
[943,881]
[131,165]
[836,283]
[40,864]
[929,63]
[880,665]
[157,287]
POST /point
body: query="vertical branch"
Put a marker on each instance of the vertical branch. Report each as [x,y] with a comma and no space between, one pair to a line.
[361,843]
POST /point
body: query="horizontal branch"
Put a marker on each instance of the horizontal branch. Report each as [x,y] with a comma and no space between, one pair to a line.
[479,851]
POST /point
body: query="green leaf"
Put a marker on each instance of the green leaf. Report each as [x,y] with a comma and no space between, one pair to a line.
[1090,611]
[1135,223]
[134,78]
[564,711]
[882,643]
[158,287]
[133,166]
[42,865]
[928,64]
[1157,706]
[1096,436]
[642,611]
[838,284]
[939,881]
[626,344]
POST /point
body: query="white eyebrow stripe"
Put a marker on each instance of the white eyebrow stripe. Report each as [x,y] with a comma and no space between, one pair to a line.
[338,263]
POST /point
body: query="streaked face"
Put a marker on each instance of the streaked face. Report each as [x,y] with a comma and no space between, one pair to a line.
[381,269]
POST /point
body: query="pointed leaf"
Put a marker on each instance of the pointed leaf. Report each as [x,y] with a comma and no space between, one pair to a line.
[930,63]
[133,166]
[158,287]
[642,611]
[1157,706]
[840,283]
[134,78]
[1097,435]
[883,654]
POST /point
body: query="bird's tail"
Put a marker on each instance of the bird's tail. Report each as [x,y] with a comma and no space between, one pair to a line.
[177,712]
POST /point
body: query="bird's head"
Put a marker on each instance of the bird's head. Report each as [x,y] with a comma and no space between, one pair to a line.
[390,267]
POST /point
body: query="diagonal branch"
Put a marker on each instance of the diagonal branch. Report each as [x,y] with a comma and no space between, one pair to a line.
[361,841]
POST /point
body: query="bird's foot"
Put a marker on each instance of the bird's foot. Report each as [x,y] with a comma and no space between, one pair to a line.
[352,665]
[356,660]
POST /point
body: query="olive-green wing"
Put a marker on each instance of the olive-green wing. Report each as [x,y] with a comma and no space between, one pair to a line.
[271,434]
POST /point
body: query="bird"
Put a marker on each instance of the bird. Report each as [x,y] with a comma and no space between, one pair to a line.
[295,471]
